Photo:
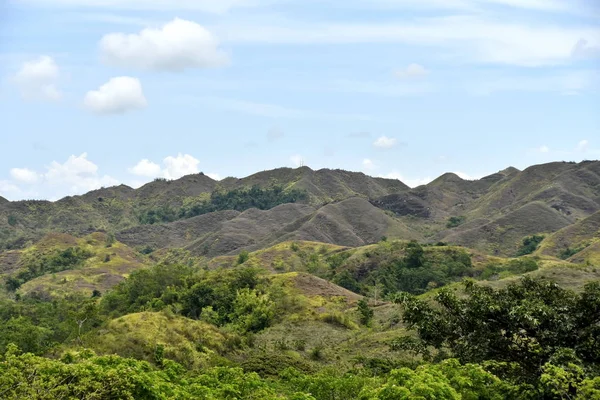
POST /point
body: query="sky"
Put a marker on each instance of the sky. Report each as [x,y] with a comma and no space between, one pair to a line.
[97,93]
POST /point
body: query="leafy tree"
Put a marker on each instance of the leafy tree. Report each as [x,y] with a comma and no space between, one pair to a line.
[243,257]
[366,313]
[414,257]
[252,311]
[525,324]
[12,220]
[530,244]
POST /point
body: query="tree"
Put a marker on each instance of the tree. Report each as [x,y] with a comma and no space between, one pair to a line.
[414,257]
[243,257]
[366,313]
[525,324]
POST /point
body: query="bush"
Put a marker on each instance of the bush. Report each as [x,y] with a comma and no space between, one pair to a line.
[366,313]
[243,257]
[12,220]
[454,222]
[529,245]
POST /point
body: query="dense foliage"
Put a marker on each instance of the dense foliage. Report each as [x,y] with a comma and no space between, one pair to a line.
[52,262]
[237,297]
[236,199]
[394,267]
[529,332]
[529,245]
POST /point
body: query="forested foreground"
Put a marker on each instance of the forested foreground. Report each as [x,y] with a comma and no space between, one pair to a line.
[529,340]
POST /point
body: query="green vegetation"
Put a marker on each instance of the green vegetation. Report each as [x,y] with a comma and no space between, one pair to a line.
[530,244]
[454,222]
[53,262]
[513,267]
[570,252]
[366,313]
[12,220]
[532,333]
[398,266]
[236,199]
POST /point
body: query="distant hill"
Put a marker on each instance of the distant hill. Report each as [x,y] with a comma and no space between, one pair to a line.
[351,222]
[495,213]
[492,214]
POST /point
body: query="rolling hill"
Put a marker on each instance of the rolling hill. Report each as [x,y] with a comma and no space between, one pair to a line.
[492,214]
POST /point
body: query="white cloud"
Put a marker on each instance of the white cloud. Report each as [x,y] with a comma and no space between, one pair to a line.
[368,164]
[215,176]
[385,142]
[37,79]
[472,38]
[177,46]
[24,175]
[146,168]
[412,71]
[174,167]
[583,145]
[7,189]
[119,95]
[181,165]
[407,181]
[543,149]
[297,160]
[76,175]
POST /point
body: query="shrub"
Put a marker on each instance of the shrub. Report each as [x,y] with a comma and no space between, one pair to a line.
[454,222]
[529,245]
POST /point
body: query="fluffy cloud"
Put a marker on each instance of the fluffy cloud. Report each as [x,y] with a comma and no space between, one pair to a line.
[146,168]
[178,45]
[76,175]
[412,71]
[172,168]
[24,175]
[37,79]
[119,95]
[385,142]
[176,167]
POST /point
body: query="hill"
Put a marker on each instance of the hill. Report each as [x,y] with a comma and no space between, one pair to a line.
[573,239]
[118,208]
[351,222]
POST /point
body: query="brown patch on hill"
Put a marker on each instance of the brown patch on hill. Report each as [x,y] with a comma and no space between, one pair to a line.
[176,234]
[504,235]
[311,286]
[577,235]
[9,262]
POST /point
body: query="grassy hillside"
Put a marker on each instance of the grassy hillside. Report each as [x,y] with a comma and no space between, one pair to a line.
[572,239]
[106,264]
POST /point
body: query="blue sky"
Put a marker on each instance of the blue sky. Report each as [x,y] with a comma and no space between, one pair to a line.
[99,92]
